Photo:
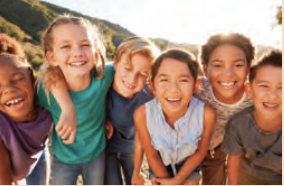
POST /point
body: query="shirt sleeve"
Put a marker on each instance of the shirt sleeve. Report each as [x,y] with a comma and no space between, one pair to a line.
[109,74]
[41,96]
[232,143]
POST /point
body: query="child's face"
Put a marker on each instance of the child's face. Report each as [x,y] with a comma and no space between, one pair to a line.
[266,90]
[226,71]
[16,90]
[173,86]
[73,50]
[131,79]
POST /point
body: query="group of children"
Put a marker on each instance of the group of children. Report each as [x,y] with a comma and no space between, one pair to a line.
[106,116]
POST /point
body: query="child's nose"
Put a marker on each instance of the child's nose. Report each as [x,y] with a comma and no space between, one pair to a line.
[228,71]
[78,52]
[8,89]
[174,86]
[274,94]
[133,78]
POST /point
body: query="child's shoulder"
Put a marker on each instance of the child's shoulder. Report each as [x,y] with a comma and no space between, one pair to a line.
[242,118]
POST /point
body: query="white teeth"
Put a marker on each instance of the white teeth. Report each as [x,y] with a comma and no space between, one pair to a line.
[128,86]
[228,84]
[77,64]
[270,105]
[14,101]
[173,99]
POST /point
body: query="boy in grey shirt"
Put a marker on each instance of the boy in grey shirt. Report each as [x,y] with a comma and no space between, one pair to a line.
[253,137]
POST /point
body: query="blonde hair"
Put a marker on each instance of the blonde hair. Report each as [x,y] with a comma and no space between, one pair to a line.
[136,45]
[47,40]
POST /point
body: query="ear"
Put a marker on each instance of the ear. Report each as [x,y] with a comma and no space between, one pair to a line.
[197,83]
[50,58]
[248,89]
[114,63]
[248,71]
[205,70]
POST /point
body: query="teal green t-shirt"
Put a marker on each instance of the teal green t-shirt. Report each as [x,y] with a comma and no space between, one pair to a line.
[90,107]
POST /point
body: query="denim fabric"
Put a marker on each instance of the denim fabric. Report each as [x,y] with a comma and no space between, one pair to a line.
[40,173]
[194,175]
[67,174]
[114,163]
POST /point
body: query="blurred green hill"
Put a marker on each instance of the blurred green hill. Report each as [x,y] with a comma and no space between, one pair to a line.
[26,20]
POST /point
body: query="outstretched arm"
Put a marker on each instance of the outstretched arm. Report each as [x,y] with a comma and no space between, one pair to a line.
[152,154]
[6,177]
[137,177]
[53,81]
[233,165]
[195,159]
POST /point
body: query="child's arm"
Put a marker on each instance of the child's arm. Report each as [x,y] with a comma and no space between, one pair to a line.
[233,164]
[152,154]
[137,178]
[109,129]
[53,80]
[195,159]
[6,177]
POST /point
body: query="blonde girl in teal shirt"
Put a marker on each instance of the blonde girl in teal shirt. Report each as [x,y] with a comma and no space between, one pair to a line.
[73,48]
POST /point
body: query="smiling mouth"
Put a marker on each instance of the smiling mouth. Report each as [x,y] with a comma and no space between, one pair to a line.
[14,102]
[128,85]
[77,64]
[227,84]
[270,106]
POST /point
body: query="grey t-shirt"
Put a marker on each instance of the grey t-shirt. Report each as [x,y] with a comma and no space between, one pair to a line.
[261,152]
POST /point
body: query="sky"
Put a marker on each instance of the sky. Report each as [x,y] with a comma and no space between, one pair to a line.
[187,21]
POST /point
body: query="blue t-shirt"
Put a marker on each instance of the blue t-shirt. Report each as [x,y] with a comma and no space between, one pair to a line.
[90,107]
[120,113]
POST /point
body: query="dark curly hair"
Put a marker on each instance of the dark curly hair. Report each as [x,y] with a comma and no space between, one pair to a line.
[235,39]
[272,58]
[10,46]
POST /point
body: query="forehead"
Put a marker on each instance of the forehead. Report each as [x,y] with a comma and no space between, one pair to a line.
[227,51]
[269,73]
[11,66]
[70,32]
[173,66]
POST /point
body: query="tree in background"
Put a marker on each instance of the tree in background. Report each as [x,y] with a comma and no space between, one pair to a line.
[279,15]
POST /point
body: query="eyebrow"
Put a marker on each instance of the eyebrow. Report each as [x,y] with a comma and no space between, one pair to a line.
[237,60]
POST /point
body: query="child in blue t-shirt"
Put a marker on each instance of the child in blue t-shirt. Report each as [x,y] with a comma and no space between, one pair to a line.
[132,63]
[73,49]
[24,126]
[253,138]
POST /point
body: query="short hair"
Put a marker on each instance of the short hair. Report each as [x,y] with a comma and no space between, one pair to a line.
[271,58]
[235,39]
[180,55]
[137,45]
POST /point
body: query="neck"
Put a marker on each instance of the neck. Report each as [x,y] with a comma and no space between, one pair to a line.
[267,124]
[30,117]
[173,117]
[229,100]
[78,83]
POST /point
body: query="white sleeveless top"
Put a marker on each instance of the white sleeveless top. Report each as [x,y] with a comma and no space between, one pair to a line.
[175,145]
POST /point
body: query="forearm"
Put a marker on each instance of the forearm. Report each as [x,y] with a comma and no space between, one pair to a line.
[157,165]
[190,165]
[233,164]
[138,156]
[6,176]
